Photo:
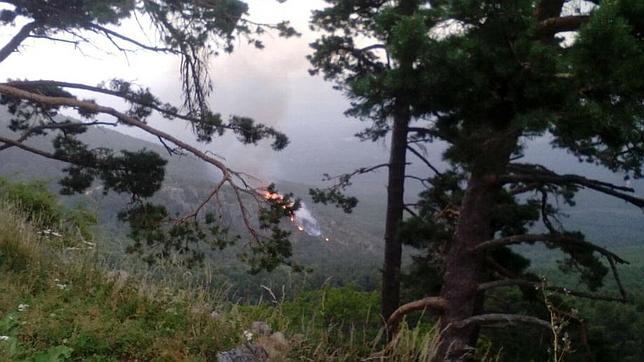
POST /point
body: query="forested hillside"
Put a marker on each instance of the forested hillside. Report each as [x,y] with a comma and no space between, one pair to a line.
[323,180]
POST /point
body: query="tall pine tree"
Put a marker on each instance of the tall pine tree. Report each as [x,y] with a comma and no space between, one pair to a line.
[380,78]
[488,76]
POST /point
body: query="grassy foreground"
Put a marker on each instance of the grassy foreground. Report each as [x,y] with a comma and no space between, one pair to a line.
[58,304]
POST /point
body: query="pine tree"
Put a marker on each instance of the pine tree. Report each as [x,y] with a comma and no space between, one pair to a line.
[190,30]
[380,80]
[488,76]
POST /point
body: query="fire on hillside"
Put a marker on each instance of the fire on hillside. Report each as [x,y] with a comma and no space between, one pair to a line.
[302,218]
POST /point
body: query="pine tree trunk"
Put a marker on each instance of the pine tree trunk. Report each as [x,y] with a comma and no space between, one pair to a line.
[395,207]
[464,271]
[396,183]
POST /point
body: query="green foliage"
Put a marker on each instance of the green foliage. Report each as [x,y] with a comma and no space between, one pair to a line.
[274,250]
[73,310]
[343,306]
[183,242]
[41,206]
[334,197]
[33,198]
[193,31]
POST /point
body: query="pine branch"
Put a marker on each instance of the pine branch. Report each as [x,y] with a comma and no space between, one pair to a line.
[126,96]
[548,9]
[19,144]
[422,131]
[51,126]
[523,173]
[89,106]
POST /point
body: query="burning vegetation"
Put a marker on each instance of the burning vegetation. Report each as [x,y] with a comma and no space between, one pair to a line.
[300,216]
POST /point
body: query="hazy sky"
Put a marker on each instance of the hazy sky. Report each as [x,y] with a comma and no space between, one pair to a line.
[271,85]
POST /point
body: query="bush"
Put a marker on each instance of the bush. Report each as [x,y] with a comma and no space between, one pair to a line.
[42,207]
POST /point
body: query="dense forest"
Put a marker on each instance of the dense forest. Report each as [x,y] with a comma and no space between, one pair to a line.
[486,206]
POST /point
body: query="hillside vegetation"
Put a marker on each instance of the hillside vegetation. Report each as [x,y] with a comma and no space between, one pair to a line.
[59,302]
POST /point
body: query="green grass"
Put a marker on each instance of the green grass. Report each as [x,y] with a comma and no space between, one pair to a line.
[57,304]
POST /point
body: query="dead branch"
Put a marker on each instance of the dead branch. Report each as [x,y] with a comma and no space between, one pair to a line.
[410,211]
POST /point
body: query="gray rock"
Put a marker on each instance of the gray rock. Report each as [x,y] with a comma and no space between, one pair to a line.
[214,315]
[247,353]
[119,278]
[260,328]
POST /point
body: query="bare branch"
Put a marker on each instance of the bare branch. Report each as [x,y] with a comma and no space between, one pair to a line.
[527,283]
[15,42]
[560,24]
[424,181]
[213,194]
[537,174]
[435,303]
[425,161]
[613,268]
[546,238]
[110,34]
[498,318]
[359,171]
[60,40]
[410,211]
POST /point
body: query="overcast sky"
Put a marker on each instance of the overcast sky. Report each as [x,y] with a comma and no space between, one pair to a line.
[271,85]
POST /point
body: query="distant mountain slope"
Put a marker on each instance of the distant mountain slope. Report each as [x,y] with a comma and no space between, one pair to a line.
[188,182]
[606,220]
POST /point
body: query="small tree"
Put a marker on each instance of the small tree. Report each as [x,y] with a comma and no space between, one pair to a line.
[190,30]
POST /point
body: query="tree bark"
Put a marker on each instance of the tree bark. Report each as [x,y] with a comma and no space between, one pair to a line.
[396,181]
[464,269]
[15,42]
[395,208]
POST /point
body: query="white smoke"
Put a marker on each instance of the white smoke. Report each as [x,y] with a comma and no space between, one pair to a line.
[306,222]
